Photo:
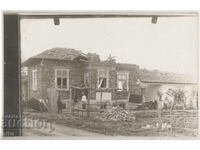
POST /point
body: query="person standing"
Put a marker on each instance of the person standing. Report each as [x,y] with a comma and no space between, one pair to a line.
[59,104]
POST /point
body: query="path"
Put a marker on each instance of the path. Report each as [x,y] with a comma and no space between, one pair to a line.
[58,130]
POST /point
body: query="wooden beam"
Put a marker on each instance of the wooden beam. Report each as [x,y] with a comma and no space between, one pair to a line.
[85,15]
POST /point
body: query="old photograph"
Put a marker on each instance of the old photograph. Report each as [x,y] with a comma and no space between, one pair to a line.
[109,74]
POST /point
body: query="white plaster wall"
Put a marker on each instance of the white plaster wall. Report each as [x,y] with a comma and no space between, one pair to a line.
[151,92]
[191,91]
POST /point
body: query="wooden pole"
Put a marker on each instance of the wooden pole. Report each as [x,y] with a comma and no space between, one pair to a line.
[171,119]
[90,87]
[101,100]
[71,101]
[88,104]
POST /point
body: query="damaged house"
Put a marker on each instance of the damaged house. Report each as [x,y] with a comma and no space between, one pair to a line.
[62,68]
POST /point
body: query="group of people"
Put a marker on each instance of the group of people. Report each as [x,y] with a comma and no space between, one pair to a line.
[60,104]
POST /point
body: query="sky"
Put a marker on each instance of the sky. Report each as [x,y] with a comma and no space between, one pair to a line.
[170,45]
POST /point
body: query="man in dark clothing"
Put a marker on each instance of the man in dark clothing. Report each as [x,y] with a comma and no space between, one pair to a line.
[59,104]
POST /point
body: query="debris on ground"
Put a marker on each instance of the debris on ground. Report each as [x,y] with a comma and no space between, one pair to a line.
[148,126]
[37,104]
[147,105]
[116,114]
[162,126]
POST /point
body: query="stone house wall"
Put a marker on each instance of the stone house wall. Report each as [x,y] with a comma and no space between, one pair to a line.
[46,78]
[112,82]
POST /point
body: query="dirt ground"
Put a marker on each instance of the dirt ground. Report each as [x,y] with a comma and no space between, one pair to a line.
[185,124]
[58,130]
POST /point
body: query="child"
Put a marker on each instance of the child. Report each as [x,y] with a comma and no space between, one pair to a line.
[84,100]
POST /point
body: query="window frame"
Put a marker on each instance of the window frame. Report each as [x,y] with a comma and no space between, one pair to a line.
[67,77]
[86,77]
[107,79]
[127,80]
[34,80]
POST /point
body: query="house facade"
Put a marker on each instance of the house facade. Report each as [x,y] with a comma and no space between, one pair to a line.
[61,68]
[50,70]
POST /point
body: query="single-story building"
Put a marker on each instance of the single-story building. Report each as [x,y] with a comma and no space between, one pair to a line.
[153,81]
[62,68]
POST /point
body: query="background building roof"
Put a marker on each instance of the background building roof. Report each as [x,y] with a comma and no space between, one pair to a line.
[156,76]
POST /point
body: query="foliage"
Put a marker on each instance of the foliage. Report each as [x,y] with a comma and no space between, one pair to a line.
[178,94]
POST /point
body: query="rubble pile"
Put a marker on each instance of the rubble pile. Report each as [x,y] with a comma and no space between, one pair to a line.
[37,104]
[116,114]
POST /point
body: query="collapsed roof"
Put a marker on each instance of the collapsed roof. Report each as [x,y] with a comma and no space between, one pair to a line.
[58,54]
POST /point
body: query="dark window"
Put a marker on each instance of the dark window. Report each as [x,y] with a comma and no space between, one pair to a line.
[58,82]
[102,79]
[64,82]
[102,82]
